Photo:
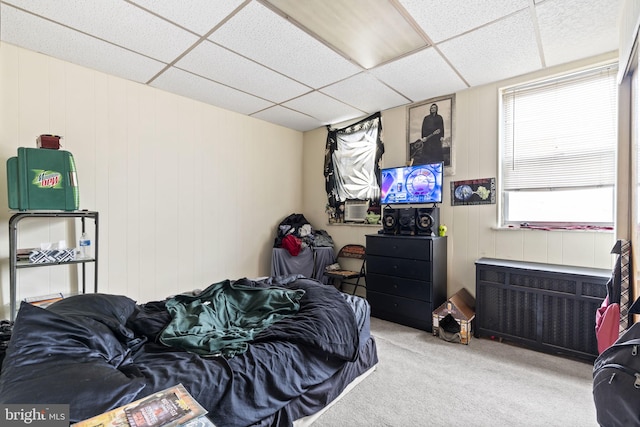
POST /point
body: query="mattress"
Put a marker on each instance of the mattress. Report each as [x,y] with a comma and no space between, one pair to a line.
[97,352]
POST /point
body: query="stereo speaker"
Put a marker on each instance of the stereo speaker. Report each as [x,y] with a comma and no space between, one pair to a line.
[427,221]
[389,221]
[407,221]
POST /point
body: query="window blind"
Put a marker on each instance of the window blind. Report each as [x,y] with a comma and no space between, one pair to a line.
[561,133]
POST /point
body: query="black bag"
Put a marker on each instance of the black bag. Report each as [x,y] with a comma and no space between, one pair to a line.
[616,381]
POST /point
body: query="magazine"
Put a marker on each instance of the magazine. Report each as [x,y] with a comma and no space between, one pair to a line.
[171,407]
[44,300]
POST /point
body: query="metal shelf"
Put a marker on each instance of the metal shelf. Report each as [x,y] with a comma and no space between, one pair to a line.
[14,264]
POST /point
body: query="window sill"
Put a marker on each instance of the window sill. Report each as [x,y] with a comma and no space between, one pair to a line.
[555,228]
[355,224]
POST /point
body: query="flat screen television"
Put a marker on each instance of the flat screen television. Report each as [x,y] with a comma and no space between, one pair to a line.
[412,184]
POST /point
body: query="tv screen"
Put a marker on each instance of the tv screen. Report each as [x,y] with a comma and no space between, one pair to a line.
[412,184]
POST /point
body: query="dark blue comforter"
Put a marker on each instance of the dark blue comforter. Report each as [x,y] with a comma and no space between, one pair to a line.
[97,352]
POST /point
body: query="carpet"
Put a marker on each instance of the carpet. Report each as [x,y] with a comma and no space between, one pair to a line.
[422,380]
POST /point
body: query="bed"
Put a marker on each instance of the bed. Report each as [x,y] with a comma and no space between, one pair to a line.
[97,352]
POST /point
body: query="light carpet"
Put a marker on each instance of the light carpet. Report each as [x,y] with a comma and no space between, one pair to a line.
[422,380]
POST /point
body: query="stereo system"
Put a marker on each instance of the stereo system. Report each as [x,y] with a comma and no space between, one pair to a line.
[411,221]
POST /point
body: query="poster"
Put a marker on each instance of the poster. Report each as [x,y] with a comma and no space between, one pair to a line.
[473,192]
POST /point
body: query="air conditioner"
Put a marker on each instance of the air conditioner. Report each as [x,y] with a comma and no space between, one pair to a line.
[355,210]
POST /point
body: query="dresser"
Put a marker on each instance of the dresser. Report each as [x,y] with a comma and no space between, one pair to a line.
[406,277]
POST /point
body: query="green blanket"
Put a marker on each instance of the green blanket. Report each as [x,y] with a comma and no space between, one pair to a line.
[224,317]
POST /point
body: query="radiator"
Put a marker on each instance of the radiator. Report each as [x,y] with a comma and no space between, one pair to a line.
[546,307]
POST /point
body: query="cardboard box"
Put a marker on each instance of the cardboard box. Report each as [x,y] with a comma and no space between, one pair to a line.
[51,142]
[461,306]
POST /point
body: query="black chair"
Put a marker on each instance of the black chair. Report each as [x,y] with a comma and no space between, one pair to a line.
[339,276]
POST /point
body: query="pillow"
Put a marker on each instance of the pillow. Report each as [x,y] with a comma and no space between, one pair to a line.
[110,310]
[52,358]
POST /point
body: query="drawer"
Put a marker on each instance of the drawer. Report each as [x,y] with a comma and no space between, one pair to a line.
[399,267]
[416,314]
[413,247]
[398,286]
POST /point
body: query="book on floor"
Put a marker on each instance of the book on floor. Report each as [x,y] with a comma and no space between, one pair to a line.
[171,407]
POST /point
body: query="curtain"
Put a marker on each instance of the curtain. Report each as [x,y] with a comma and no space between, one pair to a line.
[352,162]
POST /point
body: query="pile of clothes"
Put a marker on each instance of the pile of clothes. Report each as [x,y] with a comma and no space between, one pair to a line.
[296,233]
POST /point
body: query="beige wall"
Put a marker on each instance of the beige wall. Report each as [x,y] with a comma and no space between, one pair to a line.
[188,194]
[472,229]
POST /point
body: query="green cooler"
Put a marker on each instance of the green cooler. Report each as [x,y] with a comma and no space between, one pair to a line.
[42,179]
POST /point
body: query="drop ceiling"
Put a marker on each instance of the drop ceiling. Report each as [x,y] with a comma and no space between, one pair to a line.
[307,64]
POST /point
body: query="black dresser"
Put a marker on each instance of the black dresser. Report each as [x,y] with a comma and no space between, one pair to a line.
[406,277]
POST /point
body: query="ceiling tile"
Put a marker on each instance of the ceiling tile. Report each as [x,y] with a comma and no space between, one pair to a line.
[260,61]
[323,108]
[443,19]
[30,32]
[221,65]
[288,118]
[118,22]
[264,36]
[186,84]
[420,76]
[501,50]
[575,29]
[366,93]
[199,16]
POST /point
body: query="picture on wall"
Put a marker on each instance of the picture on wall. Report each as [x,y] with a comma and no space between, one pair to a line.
[429,132]
[473,192]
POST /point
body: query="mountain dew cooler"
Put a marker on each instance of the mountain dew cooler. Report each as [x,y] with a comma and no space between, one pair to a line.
[42,179]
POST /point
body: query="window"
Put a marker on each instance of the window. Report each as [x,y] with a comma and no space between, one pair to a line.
[558,150]
[352,164]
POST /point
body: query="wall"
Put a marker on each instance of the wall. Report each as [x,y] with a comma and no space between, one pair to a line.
[188,194]
[473,230]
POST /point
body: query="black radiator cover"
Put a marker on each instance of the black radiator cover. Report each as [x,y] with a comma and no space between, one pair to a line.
[546,307]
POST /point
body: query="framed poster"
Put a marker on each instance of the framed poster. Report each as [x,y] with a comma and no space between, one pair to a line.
[473,192]
[430,132]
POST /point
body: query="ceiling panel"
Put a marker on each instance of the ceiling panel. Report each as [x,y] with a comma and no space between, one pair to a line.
[443,19]
[420,76]
[576,29]
[260,34]
[199,16]
[366,93]
[118,22]
[503,49]
[37,34]
[324,108]
[288,118]
[223,66]
[201,89]
[295,66]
